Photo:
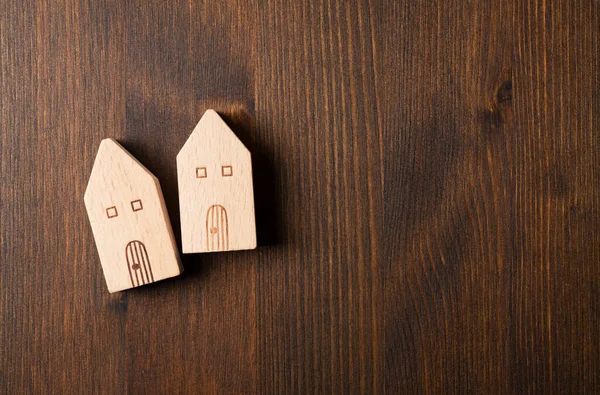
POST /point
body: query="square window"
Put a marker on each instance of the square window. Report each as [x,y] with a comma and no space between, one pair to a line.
[226,171]
[200,172]
[136,205]
[111,212]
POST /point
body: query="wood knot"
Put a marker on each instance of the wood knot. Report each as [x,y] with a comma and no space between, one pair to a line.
[504,92]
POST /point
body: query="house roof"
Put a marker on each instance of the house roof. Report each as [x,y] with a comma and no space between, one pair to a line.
[211,129]
[113,166]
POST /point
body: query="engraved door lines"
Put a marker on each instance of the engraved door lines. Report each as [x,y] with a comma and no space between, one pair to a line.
[136,254]
[138,263]
[217,228]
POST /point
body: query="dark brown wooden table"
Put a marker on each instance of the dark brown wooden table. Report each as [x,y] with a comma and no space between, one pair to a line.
[427,185]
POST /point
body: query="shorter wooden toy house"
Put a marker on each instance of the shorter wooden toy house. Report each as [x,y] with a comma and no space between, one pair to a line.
[216,199]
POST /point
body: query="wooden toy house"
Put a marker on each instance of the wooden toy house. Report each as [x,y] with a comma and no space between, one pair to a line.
[129,220]
[216,199]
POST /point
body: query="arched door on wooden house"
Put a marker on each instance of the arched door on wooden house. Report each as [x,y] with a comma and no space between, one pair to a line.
[217,228]
[138,263]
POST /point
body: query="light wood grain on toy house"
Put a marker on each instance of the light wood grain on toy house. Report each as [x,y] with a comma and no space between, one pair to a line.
[216,198]
[129,220]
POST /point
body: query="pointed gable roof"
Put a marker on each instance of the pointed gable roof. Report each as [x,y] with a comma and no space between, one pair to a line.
[113,167]
[210,130]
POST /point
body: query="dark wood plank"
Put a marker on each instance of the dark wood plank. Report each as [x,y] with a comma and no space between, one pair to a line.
[491,197]
[320,293]
[557,197]
[426,184]
[447,197]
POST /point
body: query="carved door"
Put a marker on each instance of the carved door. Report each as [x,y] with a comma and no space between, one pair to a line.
[138,263]
[217,229]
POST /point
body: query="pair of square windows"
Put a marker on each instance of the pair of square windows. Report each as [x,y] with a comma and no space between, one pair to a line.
[226,171]
[136,205]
